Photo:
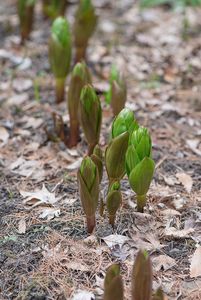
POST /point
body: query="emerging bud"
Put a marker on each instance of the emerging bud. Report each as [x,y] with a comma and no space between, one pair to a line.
[141,140]
[84,26]
[60,54]
[89,190]
[124,121]
[142,277]
[117,93]
[139,165]
[115,157]
[97,157]
[54,8]
[90,116]
[113,284]
[114,200]
[26,17]
[80,77]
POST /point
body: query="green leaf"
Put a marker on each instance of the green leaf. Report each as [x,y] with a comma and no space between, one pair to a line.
[141,176]
[115,156]
[132,159]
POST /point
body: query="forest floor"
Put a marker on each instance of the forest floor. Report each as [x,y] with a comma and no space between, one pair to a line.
[45,251]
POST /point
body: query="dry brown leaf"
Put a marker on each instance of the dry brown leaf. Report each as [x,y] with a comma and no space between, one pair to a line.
[193,145]
[175,233]
[163,262]
[49,213]
[115,239]
[195,267]
[22,226]
[39,197]
[186,180]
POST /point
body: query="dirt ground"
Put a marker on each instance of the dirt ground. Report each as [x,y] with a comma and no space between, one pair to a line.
[45,251]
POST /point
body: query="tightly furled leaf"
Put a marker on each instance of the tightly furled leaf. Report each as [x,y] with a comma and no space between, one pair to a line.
[115,157]
[80,77]
[26,17]
[84,26]
[117,94]
[88,180]
[60,48]
[113,284]
[124,121]
[142,277]
[85,23]
[114,200]
[90,116]
[97,157]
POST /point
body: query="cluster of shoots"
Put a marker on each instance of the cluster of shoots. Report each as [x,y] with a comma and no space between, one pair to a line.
[84,26]
[141,281]
[54,8]
[26,17]
[129,151]
[117,93]
[60,55]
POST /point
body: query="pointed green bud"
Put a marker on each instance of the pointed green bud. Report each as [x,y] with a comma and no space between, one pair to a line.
[142,277]
[115,156]
[132,159]
[90,115]
[141,176]
[88,180]
[60,48]
[141,140]
[84,26]
[80,77]
[117,92]
[113,284]
[114,200]
[26,17]
[88,172]
[85,23]
[54,8]
[158,295]
[97,157]
[125,121]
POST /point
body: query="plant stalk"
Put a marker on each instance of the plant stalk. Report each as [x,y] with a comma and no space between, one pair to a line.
[80,54]
[141,202]
[91,223]
[112,220]
[91,148]
[60,89]
[74,133]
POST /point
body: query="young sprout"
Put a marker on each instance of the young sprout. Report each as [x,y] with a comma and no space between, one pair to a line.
[124,121]
[139,165]
[97,157]
[113,284]
[60,54]
[117,94]
[84,26]
[115,157]
[113,202]
[90,116]
[88,181]
[80,77]
[54,8]
[142,277]
[26,17]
